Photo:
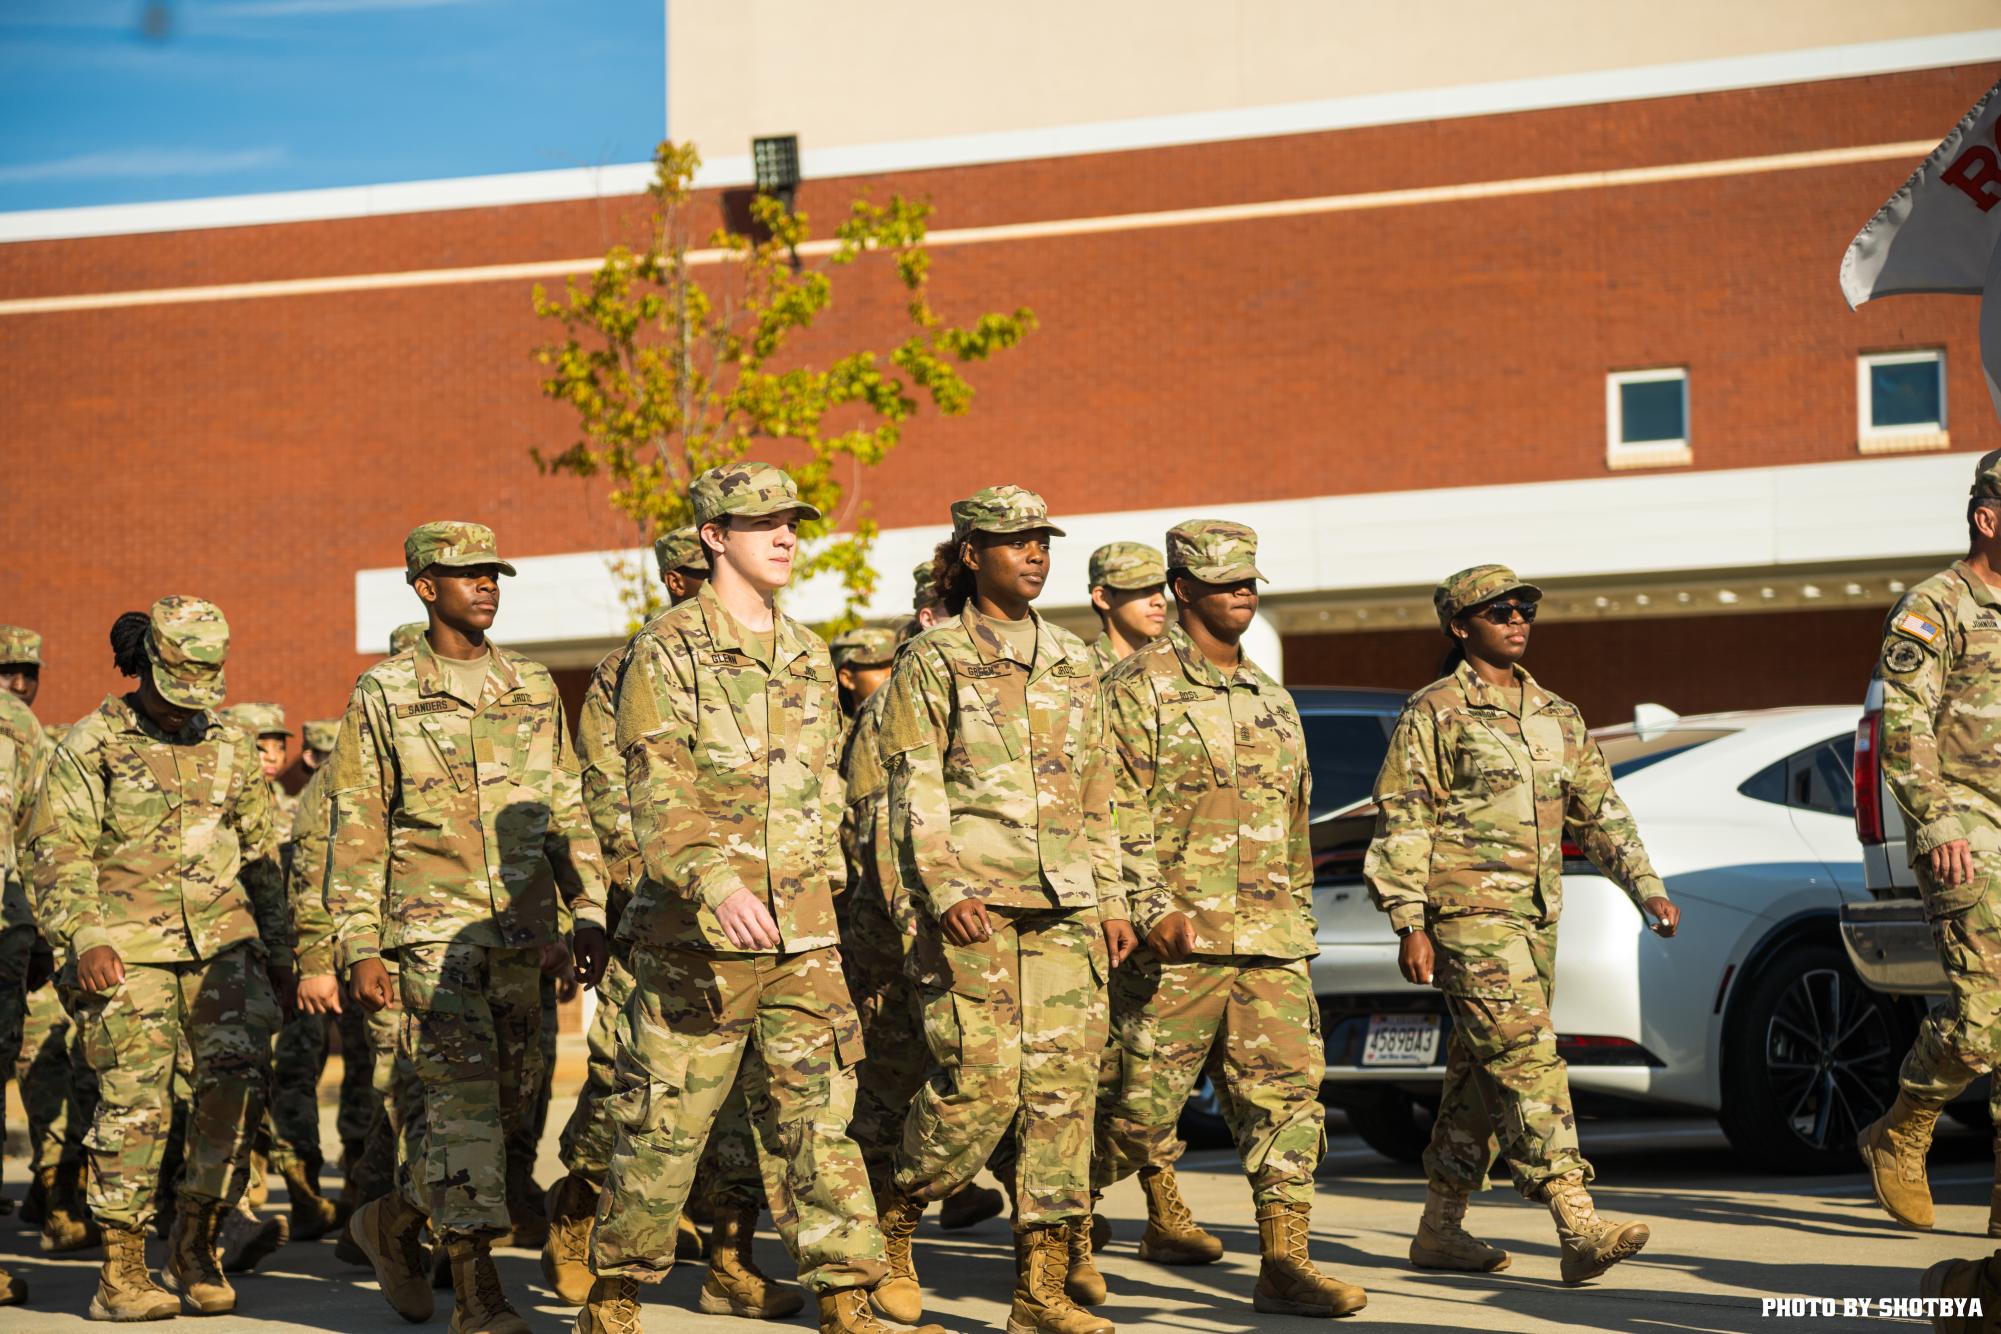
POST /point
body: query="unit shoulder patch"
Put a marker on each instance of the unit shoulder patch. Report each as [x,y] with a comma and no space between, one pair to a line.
[1901,656]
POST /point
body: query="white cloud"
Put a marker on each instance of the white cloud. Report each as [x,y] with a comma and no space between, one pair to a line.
[131,164]
[280,9]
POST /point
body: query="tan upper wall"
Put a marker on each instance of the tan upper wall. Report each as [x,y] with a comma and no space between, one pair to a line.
[891,71]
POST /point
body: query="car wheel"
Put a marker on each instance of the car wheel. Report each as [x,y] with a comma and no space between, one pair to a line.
[1391,1122]
[1810,1058]
[1202,1123]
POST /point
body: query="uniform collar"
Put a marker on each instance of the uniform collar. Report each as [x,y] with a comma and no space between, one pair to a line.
[431,676]
[1477,691]
[726,632]
[1047,653]
[1979,589]
[1203,672]
[122,717]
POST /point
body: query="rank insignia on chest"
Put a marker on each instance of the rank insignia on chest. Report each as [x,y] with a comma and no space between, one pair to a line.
[425,706]
[1918,628]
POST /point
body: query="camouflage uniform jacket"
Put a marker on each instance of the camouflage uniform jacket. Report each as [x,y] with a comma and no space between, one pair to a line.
[1941,674]
[149,843]
[1000,781]
[456,820]
[306,876]
[1474,800]
[1103,656]
[22,747]
[604,781]
[865,832]
[1212,801]
[729,772]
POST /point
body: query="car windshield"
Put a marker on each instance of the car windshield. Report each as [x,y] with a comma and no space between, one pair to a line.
[1344,752]
[1630,752]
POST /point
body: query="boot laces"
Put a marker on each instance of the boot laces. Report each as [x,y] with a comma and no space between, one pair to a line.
[1292,1232]
[1167,1198]
[622,1315]
[411,1245]
[486,1285]
[1047,1269]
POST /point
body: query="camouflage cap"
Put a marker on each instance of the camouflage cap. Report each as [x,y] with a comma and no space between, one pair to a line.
[1215,551]
[1987,476]
[258,719]
[1470,588]
[864,647]
[19,644]
[1001,509]
[451,544]
[1127,565]
[924,587]
[405,636]
[681,549]
[322,734]
[186,643]
[746,488]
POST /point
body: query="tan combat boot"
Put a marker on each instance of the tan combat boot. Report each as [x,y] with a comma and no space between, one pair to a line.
[735,1285]
[1288,1284]
[1173,1237]
[1442,1241]
[480,1306]
[125,1291]
[970,1204]
[259,1191]
[1591,1245]
[1963,1280]
[390,1233]
[35,1206]
[191,1268]
[573,1204]
[1041,1266]
[69,1225]
[312,1212]
[1894,1148]
[527,1224]
[1084,1284]
[13,1291]
[843,1312]
[612,1307]
[244,1240]
[688,1244]
[898,1296]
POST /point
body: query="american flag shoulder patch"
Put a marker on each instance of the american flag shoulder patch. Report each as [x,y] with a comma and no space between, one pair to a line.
[1918,628]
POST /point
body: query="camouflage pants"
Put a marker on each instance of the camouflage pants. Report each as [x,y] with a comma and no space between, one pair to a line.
[1507,1093]
[693,1020]
[728,1176]
[293,1122]
[224,1011]
[1020,1028]
[888,1081]
[357,1078]
[1255,1024]
[1960,1040]
[48,1071]
[396,1127]
[470,1021]
[17,945]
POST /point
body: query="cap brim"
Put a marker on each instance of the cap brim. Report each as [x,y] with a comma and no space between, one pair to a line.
[472,563]
[1228,574]
[1127,583]
[1005,526]
[207,694]
[757,509]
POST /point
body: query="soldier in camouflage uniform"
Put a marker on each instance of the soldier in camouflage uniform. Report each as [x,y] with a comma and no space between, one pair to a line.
[20,663]
[1218,866]
[457,818]
[149,877]
[1940,667]
[1000,817]
[21,749]
[727,1179]
[729,725]
[1128,582]
[1487,773]
[924,602]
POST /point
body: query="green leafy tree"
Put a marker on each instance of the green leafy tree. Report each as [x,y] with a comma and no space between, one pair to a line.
[670,375]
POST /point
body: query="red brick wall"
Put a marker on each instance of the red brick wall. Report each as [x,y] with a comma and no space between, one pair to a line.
[259,452]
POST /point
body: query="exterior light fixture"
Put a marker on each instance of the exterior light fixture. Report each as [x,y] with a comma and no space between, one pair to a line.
[775,164]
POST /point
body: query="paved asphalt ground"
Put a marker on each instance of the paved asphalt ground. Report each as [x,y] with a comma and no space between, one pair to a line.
[1724,1237]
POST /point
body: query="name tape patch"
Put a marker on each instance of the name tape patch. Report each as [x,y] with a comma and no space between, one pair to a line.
[425,706]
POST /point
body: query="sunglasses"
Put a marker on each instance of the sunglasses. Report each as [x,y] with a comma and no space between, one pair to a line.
[1500,613]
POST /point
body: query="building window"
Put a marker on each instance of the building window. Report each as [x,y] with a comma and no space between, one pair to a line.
[1646,418]
[1900,402]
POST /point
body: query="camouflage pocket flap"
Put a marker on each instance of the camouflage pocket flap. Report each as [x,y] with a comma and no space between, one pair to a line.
[936,962]
[1472,975]
[1948,900]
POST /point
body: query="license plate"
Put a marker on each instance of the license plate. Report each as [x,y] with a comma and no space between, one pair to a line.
[1401,1039]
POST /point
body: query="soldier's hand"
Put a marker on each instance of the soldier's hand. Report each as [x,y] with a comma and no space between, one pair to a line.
[1120,939]
[99,969]
[319,994]
[966,923]
[1172,937]
[368,982]
[555,960]
[284,981]
[1667,916]
[1415,959]
[1950,863]
[747,923]
[592,953]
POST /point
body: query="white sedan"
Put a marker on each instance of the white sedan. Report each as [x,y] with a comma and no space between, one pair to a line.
[1752,1012]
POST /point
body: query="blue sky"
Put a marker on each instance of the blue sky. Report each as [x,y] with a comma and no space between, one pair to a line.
[248,96]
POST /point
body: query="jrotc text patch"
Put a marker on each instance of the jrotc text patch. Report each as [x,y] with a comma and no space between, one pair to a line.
[425,706]
[1917,627]
[1903,656]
